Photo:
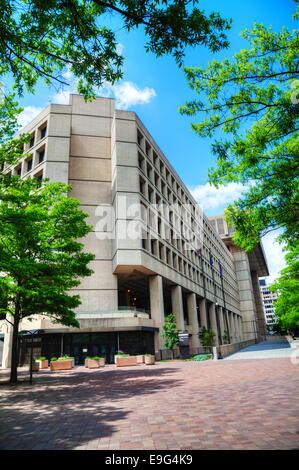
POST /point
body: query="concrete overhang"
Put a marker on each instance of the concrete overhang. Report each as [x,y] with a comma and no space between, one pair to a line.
[100,330]
[257,260]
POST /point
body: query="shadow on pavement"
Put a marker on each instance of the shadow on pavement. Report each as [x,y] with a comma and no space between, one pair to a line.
[65,410]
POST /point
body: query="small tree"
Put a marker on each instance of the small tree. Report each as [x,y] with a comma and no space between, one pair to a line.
[226,337]
[40,257]
[171,335]
[208,339]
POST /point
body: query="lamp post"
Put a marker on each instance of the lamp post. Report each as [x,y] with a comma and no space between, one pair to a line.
[32,333]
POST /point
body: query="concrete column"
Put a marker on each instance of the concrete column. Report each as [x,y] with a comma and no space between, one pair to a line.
[203,313]
[7,329]
[177,306]
[157,308]
[214,323]
[221,322]
[232,327]
[236,328]
[192,314]
[240,328]
[227,323]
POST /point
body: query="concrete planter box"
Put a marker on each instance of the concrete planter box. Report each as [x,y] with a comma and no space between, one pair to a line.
[101,362]
[121,361]
[43,364]
[149,360]
[140,359]
[93,364]
[35,366]
[61,365]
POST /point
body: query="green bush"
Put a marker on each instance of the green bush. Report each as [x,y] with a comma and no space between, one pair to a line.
[64,358]
[53,359]
[201,357]
[41,359]
[96,358]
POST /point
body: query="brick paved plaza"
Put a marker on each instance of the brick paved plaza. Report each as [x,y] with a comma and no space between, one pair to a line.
[251,404]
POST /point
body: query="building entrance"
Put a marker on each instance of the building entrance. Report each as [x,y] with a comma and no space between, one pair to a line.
[84,345]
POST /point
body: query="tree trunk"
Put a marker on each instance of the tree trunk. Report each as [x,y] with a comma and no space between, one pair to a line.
[15,349]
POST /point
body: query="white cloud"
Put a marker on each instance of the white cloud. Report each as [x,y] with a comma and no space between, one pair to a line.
[62,97]
[29,113]
[119,48]
[274,255]
[126,94]
[208,197]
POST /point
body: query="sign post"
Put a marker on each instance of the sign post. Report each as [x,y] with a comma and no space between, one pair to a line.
[184,344]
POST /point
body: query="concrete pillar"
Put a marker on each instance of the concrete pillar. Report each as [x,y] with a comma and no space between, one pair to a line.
[157,308]
[232,327]
[240,328]
[177,306]
[193,320]
[203,313]
[221,323]
[236,328]
[7,329]
[227,323]
[214,323]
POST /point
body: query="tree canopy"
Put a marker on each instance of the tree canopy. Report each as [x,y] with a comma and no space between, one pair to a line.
[40,39]
[253,99]
[287,286]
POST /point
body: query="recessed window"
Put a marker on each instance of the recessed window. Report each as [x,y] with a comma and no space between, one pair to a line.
[141,162]
[29,164]
[32,139]
[41,156]
[147,148]
[142,186]
[43,132]
[139,137]
[39,175]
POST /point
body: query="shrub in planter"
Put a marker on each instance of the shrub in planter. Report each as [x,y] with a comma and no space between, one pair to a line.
[43,362]
[125,360]
[35,365]
[62,363]
[140,358]
[149,359]
[86,361]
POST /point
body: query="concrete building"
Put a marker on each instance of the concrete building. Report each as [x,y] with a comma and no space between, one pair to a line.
[248,267]
[156,252]
[268,302]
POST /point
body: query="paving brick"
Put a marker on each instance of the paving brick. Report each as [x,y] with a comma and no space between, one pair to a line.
[173,405]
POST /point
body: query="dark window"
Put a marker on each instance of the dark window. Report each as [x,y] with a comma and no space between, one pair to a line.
[41,156]
[31,143]
[29,164]
[43,132]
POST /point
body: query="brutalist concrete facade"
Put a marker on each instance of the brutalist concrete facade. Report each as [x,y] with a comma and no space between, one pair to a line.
[155,251]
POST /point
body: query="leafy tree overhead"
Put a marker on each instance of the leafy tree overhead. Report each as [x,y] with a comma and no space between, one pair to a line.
[253,99]
[287,286]
[41,38]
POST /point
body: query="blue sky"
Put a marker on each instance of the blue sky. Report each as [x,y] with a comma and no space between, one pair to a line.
[155,88]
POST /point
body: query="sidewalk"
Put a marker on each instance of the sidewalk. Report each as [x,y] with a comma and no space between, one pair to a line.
[269,349]
[172,405]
